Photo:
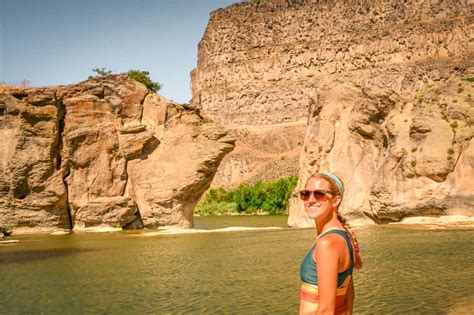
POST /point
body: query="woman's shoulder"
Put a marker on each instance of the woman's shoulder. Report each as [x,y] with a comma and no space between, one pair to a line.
[331,239]
[328,241]
[327,249]
[333,234]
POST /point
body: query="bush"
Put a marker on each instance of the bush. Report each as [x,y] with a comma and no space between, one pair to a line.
[268,196]
[216,208]
[144,77]
[138,75]
[100,72]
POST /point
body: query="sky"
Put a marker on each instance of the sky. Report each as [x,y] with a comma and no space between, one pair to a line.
[57,42]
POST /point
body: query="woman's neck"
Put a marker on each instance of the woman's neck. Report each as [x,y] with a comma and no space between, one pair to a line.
[333,223]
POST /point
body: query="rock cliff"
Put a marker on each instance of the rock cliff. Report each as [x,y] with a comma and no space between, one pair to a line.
[399,156]
[103,152]
[379,82]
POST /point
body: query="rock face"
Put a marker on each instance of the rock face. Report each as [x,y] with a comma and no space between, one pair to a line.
[103,152]
[261,153]
[399,157]
[356,70]
[32,190]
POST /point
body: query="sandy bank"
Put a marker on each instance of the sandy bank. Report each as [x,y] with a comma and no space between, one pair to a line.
[442,222]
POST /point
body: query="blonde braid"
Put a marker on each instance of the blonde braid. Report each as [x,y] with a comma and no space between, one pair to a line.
[358,261]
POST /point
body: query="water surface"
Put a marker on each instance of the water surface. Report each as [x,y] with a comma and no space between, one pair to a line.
[244,272]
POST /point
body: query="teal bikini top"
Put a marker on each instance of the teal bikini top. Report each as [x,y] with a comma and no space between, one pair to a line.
[308,272]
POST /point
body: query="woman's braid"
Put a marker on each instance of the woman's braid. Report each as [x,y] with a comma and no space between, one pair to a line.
[358,261]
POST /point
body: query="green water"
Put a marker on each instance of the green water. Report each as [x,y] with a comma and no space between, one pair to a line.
[245,272]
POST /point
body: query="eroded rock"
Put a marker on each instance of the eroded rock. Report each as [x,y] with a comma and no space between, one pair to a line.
[170,177]
[103,152]
[368,66]
[259,63]
[418,161]
[31,188]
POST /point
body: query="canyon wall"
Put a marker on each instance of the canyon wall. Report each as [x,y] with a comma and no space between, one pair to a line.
[378,84]
[103,152]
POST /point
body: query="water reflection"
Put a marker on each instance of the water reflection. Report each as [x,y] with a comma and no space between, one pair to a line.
[17,257]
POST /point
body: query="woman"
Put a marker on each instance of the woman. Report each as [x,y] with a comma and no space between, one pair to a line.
[326,272]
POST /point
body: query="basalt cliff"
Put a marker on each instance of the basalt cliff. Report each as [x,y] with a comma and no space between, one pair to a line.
[379,92]
[103,152]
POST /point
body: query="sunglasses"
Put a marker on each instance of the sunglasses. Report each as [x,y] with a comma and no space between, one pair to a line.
[319,195]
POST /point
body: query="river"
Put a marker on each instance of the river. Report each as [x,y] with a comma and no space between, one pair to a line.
[407,270]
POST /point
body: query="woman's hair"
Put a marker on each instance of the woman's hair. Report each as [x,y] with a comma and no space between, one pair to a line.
[332,179]
[358,261]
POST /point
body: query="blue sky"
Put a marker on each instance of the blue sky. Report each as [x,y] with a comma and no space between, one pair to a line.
[55,42]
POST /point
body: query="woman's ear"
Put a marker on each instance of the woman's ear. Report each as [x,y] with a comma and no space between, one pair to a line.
[337,201]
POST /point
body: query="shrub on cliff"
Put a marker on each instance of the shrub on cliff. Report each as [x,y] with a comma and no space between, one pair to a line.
[144,77]
[100,72]
[138,75]
[267,196]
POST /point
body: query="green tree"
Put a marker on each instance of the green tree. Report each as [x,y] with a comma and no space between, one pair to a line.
[144,77]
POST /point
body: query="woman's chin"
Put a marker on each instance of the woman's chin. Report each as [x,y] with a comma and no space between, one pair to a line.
[313,214]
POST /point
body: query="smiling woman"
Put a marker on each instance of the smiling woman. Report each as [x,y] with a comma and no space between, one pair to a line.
[326,271]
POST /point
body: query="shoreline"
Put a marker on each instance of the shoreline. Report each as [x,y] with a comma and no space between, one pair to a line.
[441,222]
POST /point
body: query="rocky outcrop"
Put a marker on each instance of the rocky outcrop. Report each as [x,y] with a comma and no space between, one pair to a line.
[31,184]
[399,157]
[349,67]
[103,152]
[168,182]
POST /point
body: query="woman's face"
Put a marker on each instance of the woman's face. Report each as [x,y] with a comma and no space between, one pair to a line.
[323,204]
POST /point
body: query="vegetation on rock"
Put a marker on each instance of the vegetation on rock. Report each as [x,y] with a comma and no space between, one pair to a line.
[138,75]
[144,77]
[100,72]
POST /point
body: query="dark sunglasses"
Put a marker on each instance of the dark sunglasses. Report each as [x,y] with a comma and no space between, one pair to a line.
[319,195]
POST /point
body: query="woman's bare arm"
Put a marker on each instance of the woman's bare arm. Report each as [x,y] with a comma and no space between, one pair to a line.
[327,262]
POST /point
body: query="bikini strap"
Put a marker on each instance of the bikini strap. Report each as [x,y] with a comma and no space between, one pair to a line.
[348,241]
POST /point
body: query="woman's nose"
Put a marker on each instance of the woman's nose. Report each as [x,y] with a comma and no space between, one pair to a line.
[312,199]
